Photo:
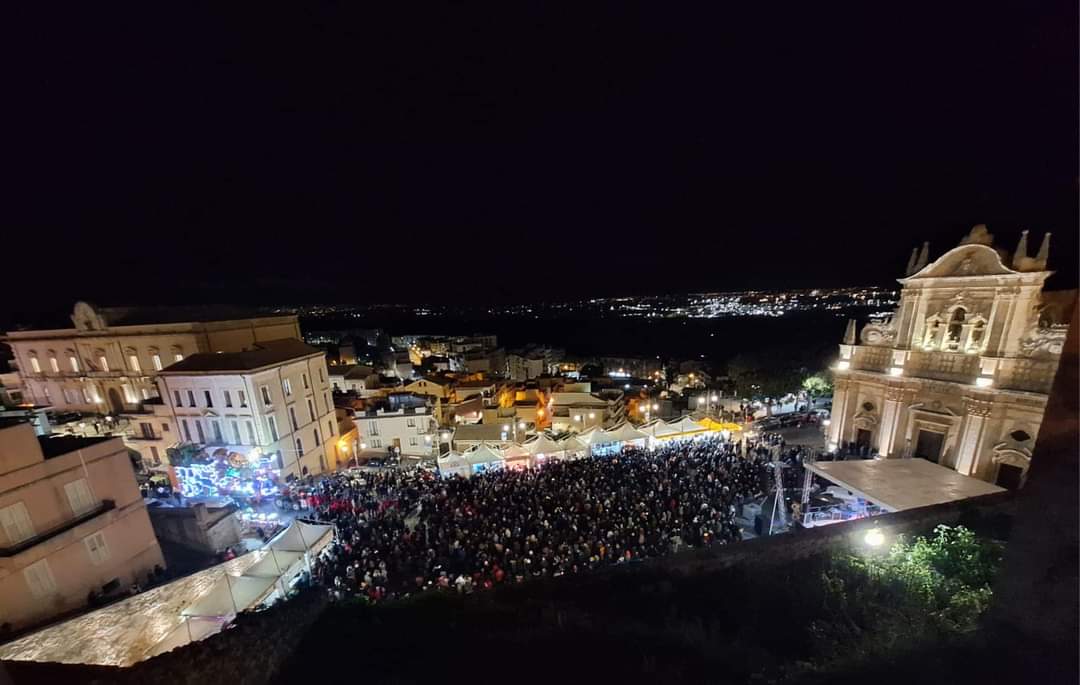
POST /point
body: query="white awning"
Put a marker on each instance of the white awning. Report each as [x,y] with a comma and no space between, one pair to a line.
[482,455]
[685,425]
[542,445]
[515,451]
[230,595]
[625,433]
[301,536]
[899,484]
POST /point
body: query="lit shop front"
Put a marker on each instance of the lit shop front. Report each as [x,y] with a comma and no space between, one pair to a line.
[230,474]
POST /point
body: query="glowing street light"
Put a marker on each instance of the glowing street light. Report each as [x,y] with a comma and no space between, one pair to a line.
[874,538]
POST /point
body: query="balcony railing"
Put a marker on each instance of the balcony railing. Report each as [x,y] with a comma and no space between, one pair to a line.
[23,545]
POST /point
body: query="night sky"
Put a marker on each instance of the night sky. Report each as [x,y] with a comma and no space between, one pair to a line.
[167,154]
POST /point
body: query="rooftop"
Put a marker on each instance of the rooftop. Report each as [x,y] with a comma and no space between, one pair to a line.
[59,445]
[260,355]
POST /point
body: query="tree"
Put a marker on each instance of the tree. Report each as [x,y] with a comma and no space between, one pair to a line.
[817,385]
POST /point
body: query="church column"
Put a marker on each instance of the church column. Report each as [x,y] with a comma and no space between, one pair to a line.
[839,412]
[967,453]
[890,419]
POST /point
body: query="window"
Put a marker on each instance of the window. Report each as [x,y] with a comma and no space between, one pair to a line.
[45,392]
[322,379]
[975,338]
[412,442]
[145,393]
[54,365]
[86,395]
[1020,436]
[326,401]
[154,456]
[286,385]
[156,358]
[868,406]
[209,399]
[306,384]
[79,497]
[216,426]
[266,395]
[133,362]
[273,427]
[129,394]
[236,433]
[250,432]
[186,430]
[35,364]
[178,357]
[375,442]
[318,440]
[199,430]
[299,448]
[16,523]
[242,397]
[39,578]
[373,427]
[176,396]
[96,548]
[330,427]
[190,398]
[292,417]
[228,399]
[311,409]
[74,361]
[103,362]
[165,427]
[956,328]
[70,396]
[410,422]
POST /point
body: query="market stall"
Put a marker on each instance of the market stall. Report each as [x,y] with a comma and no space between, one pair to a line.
[516,456]
[573,448]
[599,442]
[625,435]
[483,458]
[544,449]
[453,464]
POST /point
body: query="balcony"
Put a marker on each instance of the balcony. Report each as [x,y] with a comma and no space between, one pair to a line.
[45,535]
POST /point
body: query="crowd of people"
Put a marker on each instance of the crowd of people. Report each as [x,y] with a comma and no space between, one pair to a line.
[399,532]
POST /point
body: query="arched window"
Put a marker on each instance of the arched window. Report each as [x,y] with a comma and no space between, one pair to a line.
[933,332]
[103,361]
[73,360]
[35,363]
[956,328]
[54,364]
[299,448]
[976,334]
[133,359]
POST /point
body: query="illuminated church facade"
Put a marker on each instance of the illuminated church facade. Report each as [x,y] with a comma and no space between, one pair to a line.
[960,373]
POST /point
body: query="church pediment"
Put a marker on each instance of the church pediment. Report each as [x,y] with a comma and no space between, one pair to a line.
[964,262]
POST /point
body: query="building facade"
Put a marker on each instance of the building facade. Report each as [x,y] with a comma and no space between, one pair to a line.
[72,522]
[273,399]
[959,375]
[409,431]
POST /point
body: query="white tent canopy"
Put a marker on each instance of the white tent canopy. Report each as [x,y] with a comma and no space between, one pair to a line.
[572,447]
[515,451]
[899,484]
[483,458]
[657,429]
[595,436]
[275,564]
[453,464]
[625,432]
[301,536]
[686,425]
[543,445]
[231,595]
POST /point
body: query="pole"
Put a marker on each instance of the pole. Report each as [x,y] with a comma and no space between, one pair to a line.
[307,556]
[231,597]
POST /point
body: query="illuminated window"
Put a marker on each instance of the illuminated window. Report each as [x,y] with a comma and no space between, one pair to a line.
[156,358]
[96,548]
[145,393]
[133,362]
[54,365]
[129,394]
[86,395]
[35,364]
[103,362]
[74,362]
[286,385]
[178,357]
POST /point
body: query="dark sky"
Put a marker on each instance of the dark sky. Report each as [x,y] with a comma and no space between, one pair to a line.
[526,151]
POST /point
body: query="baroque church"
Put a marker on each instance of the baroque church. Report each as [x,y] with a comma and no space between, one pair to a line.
[960,373]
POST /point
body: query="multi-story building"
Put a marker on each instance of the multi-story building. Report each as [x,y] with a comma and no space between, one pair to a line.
[409,431]
[274,398]
[959,375]
[106,364]
[72,523]
[579,411]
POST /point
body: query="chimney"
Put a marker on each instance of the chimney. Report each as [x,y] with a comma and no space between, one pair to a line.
[849,334]
[911,261]
[1021,252]
[1044,253]
[924,257]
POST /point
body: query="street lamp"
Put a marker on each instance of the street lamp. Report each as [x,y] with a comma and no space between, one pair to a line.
[874,538]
